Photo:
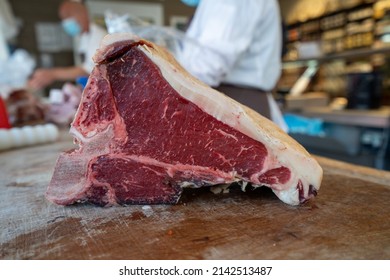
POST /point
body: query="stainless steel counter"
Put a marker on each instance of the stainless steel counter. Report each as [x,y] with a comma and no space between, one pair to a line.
[379,118]
[355,136]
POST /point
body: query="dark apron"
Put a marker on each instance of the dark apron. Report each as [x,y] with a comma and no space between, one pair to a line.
[255,99]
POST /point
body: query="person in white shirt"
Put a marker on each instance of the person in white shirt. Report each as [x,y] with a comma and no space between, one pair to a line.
[76,23]
[237,49]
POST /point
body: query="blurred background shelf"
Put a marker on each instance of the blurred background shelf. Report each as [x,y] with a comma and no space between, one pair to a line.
[357,53]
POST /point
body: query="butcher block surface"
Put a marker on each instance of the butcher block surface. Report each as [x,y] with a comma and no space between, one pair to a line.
[349,219]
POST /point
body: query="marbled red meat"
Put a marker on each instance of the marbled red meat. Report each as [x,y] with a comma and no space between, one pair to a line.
[146,129]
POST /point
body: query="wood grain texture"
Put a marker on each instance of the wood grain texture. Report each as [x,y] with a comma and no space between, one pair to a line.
[349,219]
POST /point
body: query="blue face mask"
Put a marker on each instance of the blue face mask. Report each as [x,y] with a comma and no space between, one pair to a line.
[71,27]
[191,3]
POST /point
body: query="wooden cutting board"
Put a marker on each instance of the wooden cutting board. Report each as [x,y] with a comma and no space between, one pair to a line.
[349,219]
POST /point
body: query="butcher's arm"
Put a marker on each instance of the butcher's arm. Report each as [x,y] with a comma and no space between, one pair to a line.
[222,31]
[44,77]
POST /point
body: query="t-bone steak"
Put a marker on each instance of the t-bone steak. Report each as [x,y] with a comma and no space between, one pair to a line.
[146,129]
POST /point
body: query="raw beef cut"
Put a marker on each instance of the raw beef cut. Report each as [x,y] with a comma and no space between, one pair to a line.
[146,129]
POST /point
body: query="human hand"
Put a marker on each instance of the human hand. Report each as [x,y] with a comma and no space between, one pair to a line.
[41,78]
